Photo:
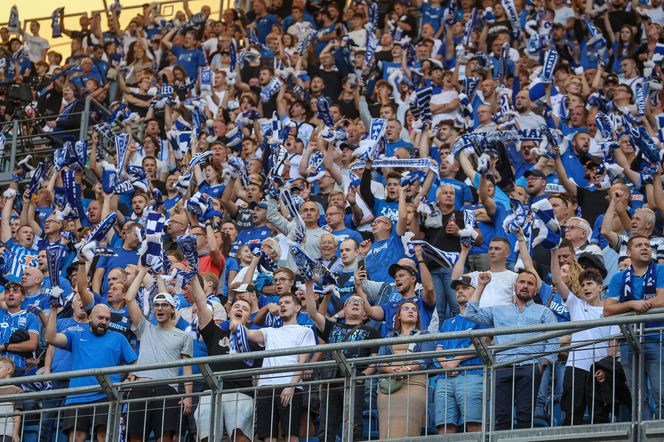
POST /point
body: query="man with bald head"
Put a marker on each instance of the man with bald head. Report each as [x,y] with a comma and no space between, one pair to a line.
[526,118]
[91,347]
[310,213]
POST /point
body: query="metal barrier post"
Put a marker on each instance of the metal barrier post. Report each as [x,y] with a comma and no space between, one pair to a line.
[85,117]
[12,155]
[114,407]
[216,411]
[349,392]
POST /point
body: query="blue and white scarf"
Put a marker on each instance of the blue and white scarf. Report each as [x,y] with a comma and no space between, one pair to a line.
[293,208]
[440,257]
[55,254]
[38,178]
[407,163]
[55,23]
[189,249]
[649,290]
[239,343]
[121,148]
[13,25]
[268,91]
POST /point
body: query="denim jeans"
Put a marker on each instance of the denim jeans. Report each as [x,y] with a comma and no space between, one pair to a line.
[543,402]
[653,373]
[446,303]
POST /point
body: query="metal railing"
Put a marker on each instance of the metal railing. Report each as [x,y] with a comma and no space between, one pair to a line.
[622,423]
[25,136]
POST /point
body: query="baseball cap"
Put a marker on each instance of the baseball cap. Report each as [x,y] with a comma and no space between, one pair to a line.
[245,288]
[612,78]
[394,268]
[261,204]
[464,280]
[534,172]
[164,297]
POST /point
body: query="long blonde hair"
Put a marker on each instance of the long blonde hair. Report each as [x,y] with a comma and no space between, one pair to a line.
[575,270]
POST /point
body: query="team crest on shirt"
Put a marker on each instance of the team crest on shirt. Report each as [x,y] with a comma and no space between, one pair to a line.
[22,321]
[224,342]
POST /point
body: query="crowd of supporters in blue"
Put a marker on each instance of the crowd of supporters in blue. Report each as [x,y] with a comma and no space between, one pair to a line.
[286,173]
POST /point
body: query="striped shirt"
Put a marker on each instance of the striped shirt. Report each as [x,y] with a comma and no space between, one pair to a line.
[22,257]
[656,243]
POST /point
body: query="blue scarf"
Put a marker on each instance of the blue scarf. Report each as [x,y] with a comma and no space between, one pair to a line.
[649,283]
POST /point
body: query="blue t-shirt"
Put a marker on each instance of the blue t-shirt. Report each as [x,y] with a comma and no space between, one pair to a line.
[432,15]
[455,324]
[190,60]
[323,32]
[264,26]
[62,358]
[390,148]
[91,351]
[214,191]
[346,233]
[616,285]
[389,209]
[65,285]
[462,193]
[573,167]
[557,305]
[382,255]
[9,323]
[122,260]
[253,233]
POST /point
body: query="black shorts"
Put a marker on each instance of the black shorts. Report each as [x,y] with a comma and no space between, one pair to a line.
[270,413]
[161,416]
[86,419]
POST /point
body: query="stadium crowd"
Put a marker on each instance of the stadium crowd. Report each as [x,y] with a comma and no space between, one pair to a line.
[298,173]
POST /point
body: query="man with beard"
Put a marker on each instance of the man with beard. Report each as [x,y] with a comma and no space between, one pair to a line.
[91,347]
[516,384]
[281,404]
[238,408]
[386,303]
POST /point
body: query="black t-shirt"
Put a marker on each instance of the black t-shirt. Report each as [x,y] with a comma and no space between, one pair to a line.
[593,203]
[438,238]
[245,218]
[348,108]
[335,333]
[332,82]
[217,342]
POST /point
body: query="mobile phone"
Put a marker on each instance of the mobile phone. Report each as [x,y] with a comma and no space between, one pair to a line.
[361,263]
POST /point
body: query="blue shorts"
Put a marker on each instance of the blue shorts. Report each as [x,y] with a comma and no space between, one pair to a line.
[458,399]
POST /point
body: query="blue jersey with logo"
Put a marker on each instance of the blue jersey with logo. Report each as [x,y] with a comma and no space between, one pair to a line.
[21,258]
[381,255]
[190,60]
[9,323]
[557,305]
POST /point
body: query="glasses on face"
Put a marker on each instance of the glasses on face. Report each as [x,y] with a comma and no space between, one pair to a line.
[161,305]
[568,228]
[281,280]
[355,301]
[376,221]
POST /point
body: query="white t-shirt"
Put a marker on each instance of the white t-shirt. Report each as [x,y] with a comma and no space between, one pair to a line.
[583,357]
[288,336]
[529,121]
[36,47]
[445,97]
[499,291]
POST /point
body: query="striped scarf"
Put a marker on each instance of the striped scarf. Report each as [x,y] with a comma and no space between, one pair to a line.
[239,342]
